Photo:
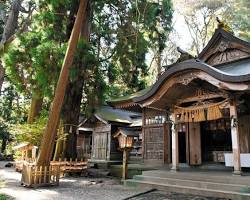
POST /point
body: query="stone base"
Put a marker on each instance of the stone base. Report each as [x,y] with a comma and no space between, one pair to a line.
[103,164]
[237,173]
[174,169]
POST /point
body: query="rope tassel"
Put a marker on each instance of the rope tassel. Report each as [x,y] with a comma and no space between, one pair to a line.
[201,112]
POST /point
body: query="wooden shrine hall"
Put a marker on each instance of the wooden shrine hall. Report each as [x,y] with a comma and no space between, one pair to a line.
[198,111]
[95,138]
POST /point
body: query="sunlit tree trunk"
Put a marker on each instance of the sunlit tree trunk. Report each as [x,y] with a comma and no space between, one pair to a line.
[35,107]
[48,140]
[59,142]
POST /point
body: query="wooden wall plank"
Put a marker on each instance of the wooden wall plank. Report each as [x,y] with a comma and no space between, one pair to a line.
[244,132]
[195,143]
[154,143]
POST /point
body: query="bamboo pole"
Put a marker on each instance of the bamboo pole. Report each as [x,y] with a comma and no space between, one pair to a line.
[50,132]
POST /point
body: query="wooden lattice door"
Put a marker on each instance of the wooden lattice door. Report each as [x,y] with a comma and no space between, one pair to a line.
[101,142]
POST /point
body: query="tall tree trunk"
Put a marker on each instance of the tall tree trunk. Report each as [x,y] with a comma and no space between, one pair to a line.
[59,142]
[72,101]
[4,143]
[158,63]
[158,58]
[71,112]
[2,74]
[49,136]
[8,32]
[11,28]
[35,107]
[11,23]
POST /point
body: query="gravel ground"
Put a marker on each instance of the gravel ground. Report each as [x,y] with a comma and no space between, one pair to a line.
[69,188]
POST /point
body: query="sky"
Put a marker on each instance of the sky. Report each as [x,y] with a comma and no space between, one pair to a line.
[184,39]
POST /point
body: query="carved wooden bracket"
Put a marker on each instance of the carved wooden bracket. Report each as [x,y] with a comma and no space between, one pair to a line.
[186,79]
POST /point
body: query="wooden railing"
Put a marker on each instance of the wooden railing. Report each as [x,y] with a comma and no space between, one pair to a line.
[71,166]
[19,163]
[77,165]
[35,176]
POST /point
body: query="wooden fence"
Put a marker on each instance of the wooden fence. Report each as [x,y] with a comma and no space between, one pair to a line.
[35,176]
[19,163]
[65,166]
[71,166]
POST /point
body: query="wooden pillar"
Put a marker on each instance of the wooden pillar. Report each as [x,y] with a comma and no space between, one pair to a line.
[175,145]
[235,137]
[108,150]
[143,132]
[125,164]
[165,143]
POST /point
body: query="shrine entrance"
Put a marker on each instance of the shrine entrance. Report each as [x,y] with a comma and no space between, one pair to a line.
[215,140]
[182,147]
[204,142]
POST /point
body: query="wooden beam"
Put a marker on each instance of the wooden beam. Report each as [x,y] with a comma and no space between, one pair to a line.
[50,131]
[200,98]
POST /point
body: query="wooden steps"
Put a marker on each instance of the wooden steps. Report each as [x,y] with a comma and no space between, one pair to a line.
[207,184]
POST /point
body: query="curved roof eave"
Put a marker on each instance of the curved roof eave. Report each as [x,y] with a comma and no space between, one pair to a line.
[129,98]
[192,65]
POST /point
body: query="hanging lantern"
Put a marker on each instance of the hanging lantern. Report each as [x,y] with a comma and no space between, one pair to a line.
[125,142]
[125,138]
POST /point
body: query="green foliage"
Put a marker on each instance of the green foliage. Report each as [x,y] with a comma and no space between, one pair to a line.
[112,63]
[31,133]
[239,18]
[33,63]
[123,33]
[13,108]
[3,197]
[4,132]
[87,66]
[5,135]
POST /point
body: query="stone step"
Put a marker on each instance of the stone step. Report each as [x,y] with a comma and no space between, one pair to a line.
[194,183]
[187,189]
[219,177]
